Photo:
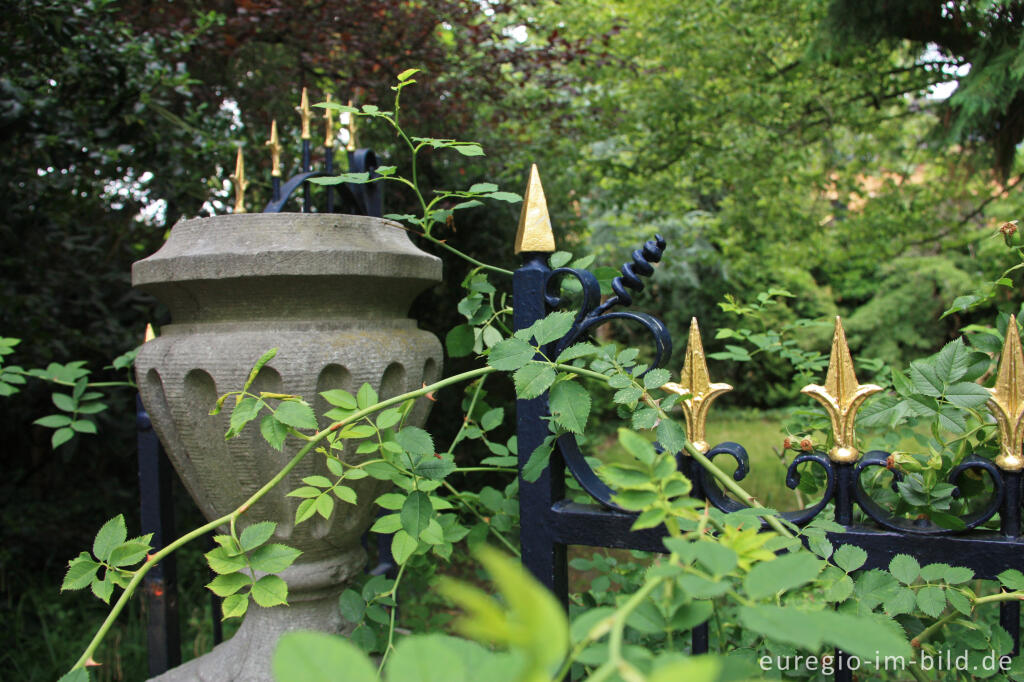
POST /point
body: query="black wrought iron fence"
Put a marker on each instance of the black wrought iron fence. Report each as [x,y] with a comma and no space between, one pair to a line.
[551,521]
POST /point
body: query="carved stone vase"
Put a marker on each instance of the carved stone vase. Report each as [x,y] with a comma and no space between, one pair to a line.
[332,293]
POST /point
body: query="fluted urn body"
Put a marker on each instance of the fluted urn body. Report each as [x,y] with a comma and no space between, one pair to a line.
[332,294]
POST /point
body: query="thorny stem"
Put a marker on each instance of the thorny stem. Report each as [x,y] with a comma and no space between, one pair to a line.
[393,593]
[615,660]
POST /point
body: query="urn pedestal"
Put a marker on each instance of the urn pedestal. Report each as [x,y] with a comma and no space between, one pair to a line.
[331,292]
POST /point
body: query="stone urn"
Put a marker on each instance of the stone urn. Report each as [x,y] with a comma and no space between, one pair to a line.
[332,293]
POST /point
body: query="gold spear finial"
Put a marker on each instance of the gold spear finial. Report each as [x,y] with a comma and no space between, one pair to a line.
[305,113]
[1007,401]
[240,182]
[842,396]
[150,334]
[329,125]
[534,233]
[351,145]
[695,381]
[275,150]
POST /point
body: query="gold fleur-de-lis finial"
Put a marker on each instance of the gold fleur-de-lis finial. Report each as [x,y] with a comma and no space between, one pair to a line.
[351,144]
[842,396]
[1007,401]
[275,150]
[150,334]
[695,382]
[305,113]
[329,125]
[240,182]
[534,233]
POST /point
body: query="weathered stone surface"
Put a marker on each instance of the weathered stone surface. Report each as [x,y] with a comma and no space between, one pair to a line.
[331,293]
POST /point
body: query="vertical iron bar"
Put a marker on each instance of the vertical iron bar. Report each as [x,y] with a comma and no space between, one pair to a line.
[1009,515]
[542,556]
[329,167]
[160,586]
[306,163]
[844,516]
[699,638]
[275,183]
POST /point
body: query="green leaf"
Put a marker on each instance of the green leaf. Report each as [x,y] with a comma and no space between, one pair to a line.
[83,426]
[510,197]
[459,341]
[221,561]
[482,187]
[256,534]
[532,380]
[273,431]
[387,524]
[570,406]
[341,178]
[270,590]
[345,494]
[931,600]
[402,546]
[317,481]
[553,327]
[234,606]
[352,606]
[113,533]
[296,414]
[967,395]
[538,461]
[243,413]
[366,397]
[469,149]
[1012,579]
[787,572]
[415,441]
[340,398]
[636,445]
[492,419]
[850,557]
[407,74]
[416,513]
[959,601]
[129,553]
[324,506]
[716,558]
[61,436]
[901,602]
[628,396]
[435,468]
[955,575]
[656,378]
[671,436]
[225,585]
[952,361]
[558,258]
[576,350]
[645,418]
[64,402]
[319,657]
[81,571]
[264,359]
[510,354]
[103,588]
[273,558]
[53,421]
[905,568]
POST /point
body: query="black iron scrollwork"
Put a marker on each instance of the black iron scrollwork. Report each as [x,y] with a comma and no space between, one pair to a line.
[593,313]
[878,514]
